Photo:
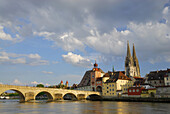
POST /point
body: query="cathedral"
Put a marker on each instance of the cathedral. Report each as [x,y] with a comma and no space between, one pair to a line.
[131,63]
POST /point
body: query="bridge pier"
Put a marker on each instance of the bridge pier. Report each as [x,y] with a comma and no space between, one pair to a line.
[81,97]
[29,96]
[58,96]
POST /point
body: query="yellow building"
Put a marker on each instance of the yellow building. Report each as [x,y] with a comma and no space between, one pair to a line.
[122,82]
[148,92]
[109,88]
[124,88]
[115,83]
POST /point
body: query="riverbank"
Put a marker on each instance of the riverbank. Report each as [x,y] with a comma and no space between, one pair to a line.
[136,99]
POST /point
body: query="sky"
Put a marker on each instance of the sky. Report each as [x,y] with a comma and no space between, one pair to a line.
[46,41]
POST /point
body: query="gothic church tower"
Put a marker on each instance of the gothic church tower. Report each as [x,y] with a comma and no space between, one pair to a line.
[131,63]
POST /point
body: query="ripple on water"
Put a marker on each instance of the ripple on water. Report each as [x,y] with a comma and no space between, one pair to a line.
[81,107]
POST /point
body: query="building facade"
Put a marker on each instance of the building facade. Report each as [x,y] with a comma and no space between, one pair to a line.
[109,88]
[142,91]
[158,78]
[167,78]
[92,80]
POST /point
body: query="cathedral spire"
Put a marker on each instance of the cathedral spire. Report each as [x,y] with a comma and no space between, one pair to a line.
[134,52]
[128,50]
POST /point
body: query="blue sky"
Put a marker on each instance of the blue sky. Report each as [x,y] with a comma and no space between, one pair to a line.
[49,41]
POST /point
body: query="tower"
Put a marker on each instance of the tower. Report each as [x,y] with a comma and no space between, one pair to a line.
[136,63]
[61,83]
[131,63]
[66,85]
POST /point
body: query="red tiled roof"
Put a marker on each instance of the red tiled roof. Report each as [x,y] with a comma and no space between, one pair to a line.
[122,76]
[138,78]
[106,75]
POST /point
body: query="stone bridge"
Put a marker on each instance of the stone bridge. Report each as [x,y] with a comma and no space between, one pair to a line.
[27,93]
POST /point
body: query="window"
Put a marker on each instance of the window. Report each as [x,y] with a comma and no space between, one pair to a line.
[133,90]
[107,91]
[112,89]
[167,78]
[93,76]
[137,90]
[130,90]
[112,85]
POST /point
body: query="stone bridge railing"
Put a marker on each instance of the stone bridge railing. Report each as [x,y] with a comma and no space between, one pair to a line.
[29,93]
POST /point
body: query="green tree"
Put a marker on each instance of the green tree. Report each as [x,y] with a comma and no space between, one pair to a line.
[40,85]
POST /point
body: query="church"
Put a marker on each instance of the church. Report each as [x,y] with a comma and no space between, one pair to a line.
[131,63]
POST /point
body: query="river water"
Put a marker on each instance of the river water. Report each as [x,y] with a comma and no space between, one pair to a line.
[83,107]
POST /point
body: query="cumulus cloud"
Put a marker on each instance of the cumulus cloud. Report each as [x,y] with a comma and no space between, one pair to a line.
[108,43]
[28,59]
[104,26]
[17,82]
[8,37]
[66,41]
[154,35]
[47,72]
[77,60]
[165,10]
[34,83]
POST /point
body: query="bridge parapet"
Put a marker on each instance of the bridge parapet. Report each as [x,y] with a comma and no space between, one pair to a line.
[29,93]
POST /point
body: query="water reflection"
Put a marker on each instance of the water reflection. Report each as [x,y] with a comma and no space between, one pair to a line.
[82,107]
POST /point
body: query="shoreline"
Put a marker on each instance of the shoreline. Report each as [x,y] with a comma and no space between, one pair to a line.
[135,99]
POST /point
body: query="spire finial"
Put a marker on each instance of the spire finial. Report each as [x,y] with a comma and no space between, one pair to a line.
[113,69]
[134,52]
[95,64]
[128,50]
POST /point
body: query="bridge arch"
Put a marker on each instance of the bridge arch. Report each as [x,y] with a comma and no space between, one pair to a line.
[48,95]
[69,96]
[94,97]
[21,94]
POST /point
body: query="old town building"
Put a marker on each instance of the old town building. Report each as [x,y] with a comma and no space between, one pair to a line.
[92,80]
[117,84]
[158,78]
[144,90]
[122,81]
[167,78]
[109,88]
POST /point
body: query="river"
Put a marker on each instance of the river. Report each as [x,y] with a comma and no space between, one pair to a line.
[83,107]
